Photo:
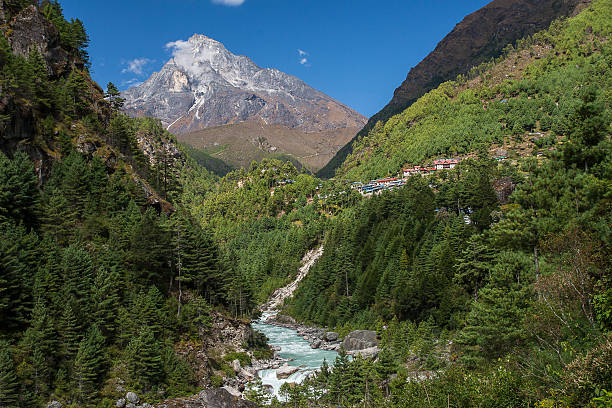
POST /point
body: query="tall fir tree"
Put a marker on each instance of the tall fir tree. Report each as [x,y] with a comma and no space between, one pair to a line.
[9,384]
[70,333]
[145,358]
[105,300]
[19,194]
[89,364]
[114,96]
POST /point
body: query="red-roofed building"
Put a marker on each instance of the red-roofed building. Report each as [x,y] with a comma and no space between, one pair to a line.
[412,171]
[445,164]
[384,181]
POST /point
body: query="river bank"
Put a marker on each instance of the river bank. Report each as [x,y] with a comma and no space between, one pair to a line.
[300,359]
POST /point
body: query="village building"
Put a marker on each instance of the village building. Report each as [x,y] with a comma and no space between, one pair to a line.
[445,164]
[412,171]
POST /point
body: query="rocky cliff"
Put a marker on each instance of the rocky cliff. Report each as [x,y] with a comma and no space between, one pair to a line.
[48,98]
[481,36]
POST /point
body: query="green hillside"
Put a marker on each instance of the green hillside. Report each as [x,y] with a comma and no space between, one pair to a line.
[534,88]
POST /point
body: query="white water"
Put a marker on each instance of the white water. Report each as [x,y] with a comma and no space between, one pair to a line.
[293,347]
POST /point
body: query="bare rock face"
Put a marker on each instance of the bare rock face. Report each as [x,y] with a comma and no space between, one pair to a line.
[204,85]
[31,30]
[360,340]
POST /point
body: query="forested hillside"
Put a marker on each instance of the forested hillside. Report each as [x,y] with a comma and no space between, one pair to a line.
[126,266]
[479,37]
[534,88]
[104,277]
[265,219]
[481,299]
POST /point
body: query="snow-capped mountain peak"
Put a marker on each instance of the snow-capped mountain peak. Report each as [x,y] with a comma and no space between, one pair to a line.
[204,85]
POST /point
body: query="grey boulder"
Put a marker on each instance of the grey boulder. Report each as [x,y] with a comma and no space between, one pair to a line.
[331,336]
[132,397]
[285,371]
[359,340]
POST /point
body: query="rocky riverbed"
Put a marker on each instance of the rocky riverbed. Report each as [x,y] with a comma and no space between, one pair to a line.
[318,337]
[362,342]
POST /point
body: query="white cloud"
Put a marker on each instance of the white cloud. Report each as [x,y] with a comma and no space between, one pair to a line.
[303,60]
[229,2]
[183,54]
[136,66]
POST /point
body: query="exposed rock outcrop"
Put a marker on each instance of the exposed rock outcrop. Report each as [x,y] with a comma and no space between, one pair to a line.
[31,30]
[360,340]
[279,295]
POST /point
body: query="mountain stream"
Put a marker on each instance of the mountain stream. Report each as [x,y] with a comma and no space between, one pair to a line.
[292,346]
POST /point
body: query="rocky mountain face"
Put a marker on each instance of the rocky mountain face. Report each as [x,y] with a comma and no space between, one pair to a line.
[481,36]
[205,85]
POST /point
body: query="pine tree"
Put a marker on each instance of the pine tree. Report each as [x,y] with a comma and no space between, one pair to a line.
[149,251]
[75,182]
[18,260]
[77,270]
[19,194]
[89,364]
[76,87]
[495,322]
[588,129]
[121,133]
[105,300]
[149,310]
[40,82]
[39,344]
[473,265]
[80,40]
[114,96]
[145,358]
[58,218]
[200,264]
[9,385]
[69,333]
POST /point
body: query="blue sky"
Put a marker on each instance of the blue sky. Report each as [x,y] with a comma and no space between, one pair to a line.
[357,51]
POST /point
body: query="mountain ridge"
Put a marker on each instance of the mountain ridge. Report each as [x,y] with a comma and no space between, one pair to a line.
[480,36]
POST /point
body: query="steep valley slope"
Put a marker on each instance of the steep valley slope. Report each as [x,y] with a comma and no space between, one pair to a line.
[480,37]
